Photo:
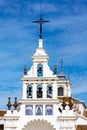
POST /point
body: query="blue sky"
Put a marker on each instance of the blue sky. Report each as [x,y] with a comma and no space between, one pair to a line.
[65,36]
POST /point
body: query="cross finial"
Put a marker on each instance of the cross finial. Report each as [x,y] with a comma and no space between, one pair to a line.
[41,21]
[61,66]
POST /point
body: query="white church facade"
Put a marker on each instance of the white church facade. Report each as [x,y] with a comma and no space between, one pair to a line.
[46,102]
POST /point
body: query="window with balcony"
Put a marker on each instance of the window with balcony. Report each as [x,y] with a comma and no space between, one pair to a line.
[39,91]
[29,91]
[60,91]
[40,70]
[49,91]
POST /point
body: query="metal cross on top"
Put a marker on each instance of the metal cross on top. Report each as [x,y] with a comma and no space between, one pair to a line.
[40,22]
[61,66]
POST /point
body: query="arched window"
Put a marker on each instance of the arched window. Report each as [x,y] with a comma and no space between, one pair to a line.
[40,70]
[60,91]
[49,91]
[29,91]
[39,91]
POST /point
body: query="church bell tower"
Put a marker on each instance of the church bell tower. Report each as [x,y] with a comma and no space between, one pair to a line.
[42,87]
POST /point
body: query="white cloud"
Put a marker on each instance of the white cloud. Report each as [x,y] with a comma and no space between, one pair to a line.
[79,80]
[65,21]
[79,89]
[2,2]
[42,7]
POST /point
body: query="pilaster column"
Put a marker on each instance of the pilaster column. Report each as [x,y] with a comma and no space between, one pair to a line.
[44,91]
[54,90]
[34,91]
[24,91]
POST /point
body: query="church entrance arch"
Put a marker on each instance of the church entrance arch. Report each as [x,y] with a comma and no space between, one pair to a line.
[38,125]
